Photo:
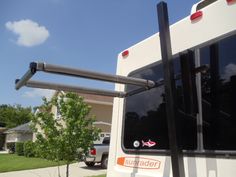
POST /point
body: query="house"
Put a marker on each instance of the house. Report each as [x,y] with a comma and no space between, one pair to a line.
[101,107]
[20,133]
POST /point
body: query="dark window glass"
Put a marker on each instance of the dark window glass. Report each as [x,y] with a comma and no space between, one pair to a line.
[106,140]
[219,95]
[145,124]
[145,115]
[186,104]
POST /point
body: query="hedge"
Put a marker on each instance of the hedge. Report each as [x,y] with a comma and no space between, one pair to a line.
[11,147]
[20,148]
[29,149]
[2,141]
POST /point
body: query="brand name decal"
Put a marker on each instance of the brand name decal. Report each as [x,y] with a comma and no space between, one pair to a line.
[140,162]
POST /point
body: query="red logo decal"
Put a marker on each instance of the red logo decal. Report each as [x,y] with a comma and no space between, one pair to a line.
[140,162]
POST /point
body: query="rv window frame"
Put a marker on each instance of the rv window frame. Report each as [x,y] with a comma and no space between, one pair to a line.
[225,154]
[143,151]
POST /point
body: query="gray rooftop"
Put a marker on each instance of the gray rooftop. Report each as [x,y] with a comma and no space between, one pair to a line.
[24,128]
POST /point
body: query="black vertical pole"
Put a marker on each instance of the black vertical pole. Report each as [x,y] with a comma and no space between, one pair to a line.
[188,82]
[176,155]
[214,84]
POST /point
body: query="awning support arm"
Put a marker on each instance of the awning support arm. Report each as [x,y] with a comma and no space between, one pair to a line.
[55,69]
[70,88]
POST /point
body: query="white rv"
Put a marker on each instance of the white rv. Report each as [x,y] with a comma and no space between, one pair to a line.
[206,114]
[174,111]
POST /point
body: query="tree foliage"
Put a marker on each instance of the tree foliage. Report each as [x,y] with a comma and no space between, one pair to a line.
[12,116]
[68,137]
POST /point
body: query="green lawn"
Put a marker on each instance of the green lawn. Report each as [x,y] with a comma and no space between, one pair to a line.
[12,162]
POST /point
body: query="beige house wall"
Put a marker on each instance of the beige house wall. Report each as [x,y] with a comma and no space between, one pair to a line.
[103,114]
[34,134]
[11,137]
[101,109]
[18,137]
[34,137]
[54,112]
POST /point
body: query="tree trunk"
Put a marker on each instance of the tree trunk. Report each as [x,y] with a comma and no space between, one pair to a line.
[67,170]
[58,169]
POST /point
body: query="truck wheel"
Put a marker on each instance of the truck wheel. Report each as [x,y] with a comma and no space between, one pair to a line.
[90,164]
[104,162]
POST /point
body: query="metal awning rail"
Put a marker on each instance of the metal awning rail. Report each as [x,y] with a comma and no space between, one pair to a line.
[56,69]
[71,88]
[61,70]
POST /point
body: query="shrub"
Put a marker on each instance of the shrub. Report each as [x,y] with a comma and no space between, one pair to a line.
[29,149]
[11,147]
[2,141]
[19,148]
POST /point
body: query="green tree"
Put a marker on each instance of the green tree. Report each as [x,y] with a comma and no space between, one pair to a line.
[68,137]
[12,116]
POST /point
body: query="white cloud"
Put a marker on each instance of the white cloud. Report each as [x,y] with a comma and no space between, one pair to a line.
[34,93]
[229,70]
[29,32]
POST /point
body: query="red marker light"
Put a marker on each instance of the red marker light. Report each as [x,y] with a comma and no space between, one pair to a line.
[125,53]
[196,15]
[93,151]
[230,1]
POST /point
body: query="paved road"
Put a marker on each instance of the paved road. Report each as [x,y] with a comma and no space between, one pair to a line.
[76,170]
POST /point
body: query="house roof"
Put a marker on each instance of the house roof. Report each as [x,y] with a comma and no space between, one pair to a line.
[24,128]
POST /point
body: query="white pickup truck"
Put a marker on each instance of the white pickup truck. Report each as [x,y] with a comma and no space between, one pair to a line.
[98,154]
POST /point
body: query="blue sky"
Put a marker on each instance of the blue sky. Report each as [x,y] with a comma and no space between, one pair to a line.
[85,34]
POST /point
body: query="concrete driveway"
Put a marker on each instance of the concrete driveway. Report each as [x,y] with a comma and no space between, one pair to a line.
[76,170]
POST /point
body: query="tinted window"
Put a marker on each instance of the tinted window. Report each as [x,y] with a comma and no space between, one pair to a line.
[145,124]
[145,116]
[106,140]
[219,95]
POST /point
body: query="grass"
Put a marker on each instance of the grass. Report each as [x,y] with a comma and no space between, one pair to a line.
[12,162]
